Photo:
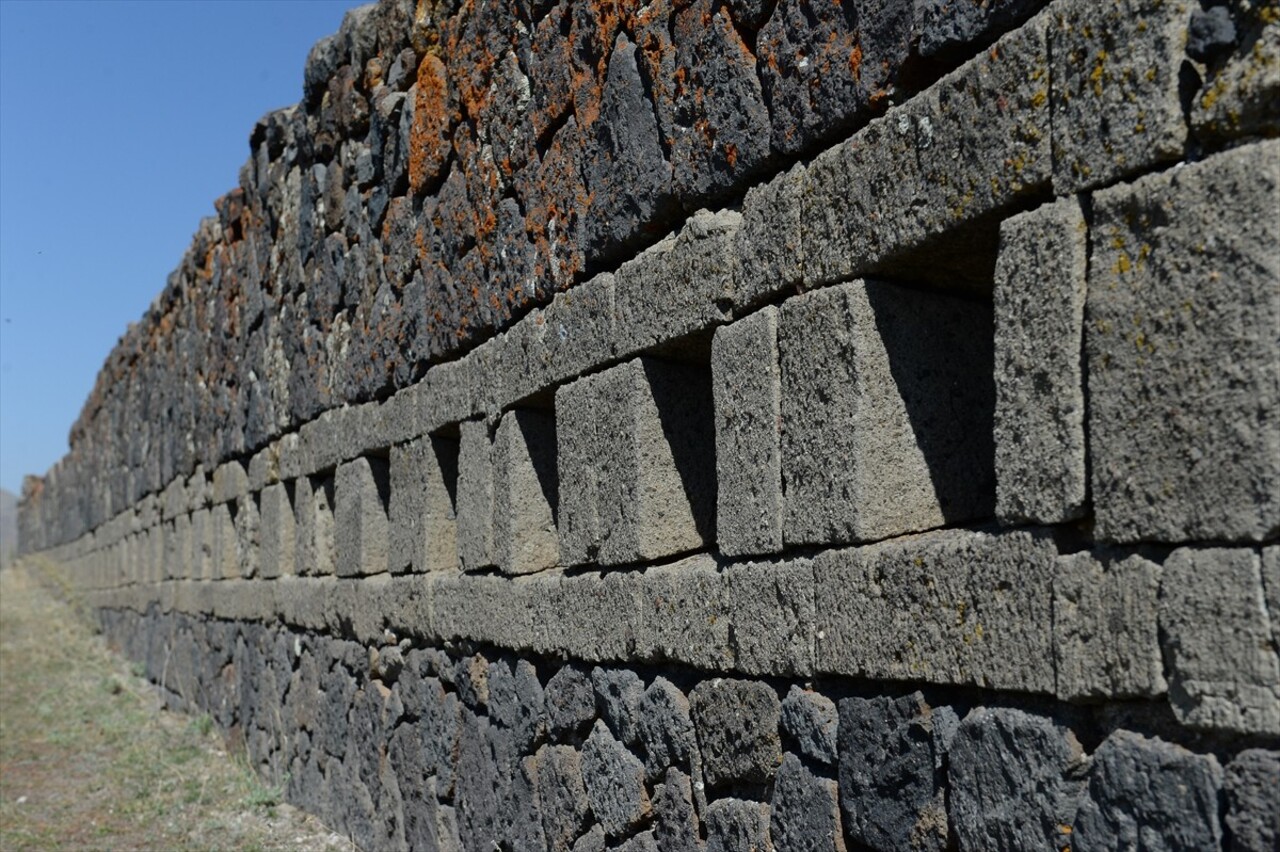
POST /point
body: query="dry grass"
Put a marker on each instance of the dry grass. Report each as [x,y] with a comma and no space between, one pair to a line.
[89,761]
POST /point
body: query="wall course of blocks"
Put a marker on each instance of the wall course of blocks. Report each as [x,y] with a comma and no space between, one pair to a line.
[711,596]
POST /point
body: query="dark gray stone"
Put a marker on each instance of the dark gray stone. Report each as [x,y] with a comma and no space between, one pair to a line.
[665,729]
[1150,794]
[736,825]
[562,798]
[675,822]
[618,696]
[592,841]
[571,703]
[517,702]
[811,721]
[892,782]
[614,779]
[1013,781]
[1253,801]
[737,726]
[1211,33]
[471,680]
[805,810]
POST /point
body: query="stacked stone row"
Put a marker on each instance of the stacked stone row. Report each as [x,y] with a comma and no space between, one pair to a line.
[1036,304]
[452,163]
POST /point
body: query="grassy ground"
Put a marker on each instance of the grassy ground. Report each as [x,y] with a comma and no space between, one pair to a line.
[89,761]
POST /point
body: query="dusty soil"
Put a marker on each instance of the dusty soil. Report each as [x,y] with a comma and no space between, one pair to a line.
[89,761]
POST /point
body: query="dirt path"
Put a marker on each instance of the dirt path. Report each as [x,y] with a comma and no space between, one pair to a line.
[88,760]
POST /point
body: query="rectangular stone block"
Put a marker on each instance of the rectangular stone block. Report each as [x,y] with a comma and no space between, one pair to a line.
[748,413]
[361,535]
[248,527]
[942,162]
[1106,641]
[770,249]
[572,335]
[226,550]
[951,607]
[525,492]
[1183,353]
[278,531]
[315,550]
[475,496]
[230,480]
[886,412]
[578,521]
[683,284]
[202,549]
[450,394]
[685,615]
[1039,329]
[1224,669]
[1116,74]
[424,524]
[570,612]
[655,456]
[771,606]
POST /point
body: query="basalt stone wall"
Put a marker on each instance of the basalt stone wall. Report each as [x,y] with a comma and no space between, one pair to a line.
[725,426]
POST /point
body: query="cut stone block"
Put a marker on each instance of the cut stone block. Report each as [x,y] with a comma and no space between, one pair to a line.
[525,501]
[769,256]
[1106,637]
[772,612]
[424,524]
[1148,788]
[226,556]
[278,533]
[682,285]
[315,550]
[1223,662]
[570,336]
[475,496]
[886,412]
[655,482]
[1039,329]
[748,400]
[945,160]
[1116,105]
[576,442]
[952,607]
[1183,354]
[361,534]
[248,527]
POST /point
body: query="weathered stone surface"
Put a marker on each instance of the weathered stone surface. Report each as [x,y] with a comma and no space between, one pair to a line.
[666,730]
[1013,780]
[769,255]
[1152,792]
[675,824]
[737,726]
[614,779]
[1224,670]
[772,609]
[734,824]
[682,285]
[810,721]
[475,496]
[886,403]
[1106,641]
[1039,329]
[524,484]
[618,696]
[748,398]
[562,798]
[277,532]
[805,810]
[655,483]
[424,525]
[685,614]
[950,607]
[361,489]
[577,439]
[941,161]
[1182,352]
[892,779]
[1115,96]
[1241,91]
[314,501]
[571,703]
[1253,800]
[517,701]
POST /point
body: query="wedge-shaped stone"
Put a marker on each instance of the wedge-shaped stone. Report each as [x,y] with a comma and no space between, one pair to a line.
[525,501]
[361,487]
[424,524]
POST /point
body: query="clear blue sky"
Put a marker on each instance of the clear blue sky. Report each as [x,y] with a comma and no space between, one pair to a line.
[120,123]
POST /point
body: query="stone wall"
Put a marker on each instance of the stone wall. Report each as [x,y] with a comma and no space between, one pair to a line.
[920,489]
